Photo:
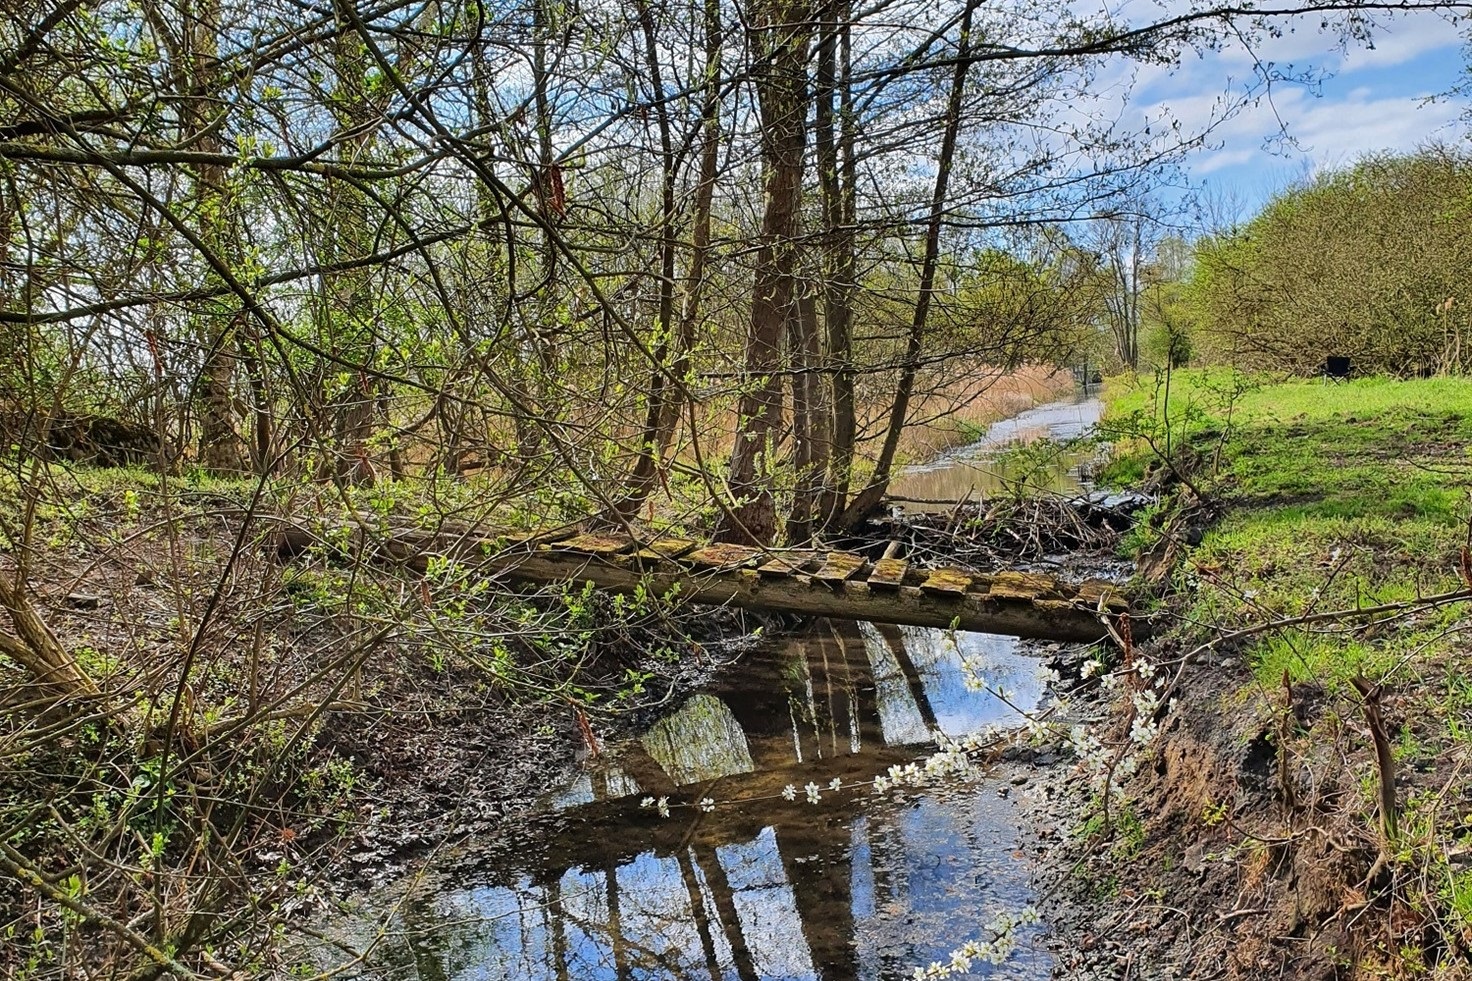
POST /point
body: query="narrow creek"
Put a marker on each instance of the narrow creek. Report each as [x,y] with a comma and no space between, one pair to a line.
[983,468]
[856,886]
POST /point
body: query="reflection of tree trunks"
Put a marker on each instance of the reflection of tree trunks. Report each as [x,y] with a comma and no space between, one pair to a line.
[615,924]
[720,891]
[823,891]
[556,936]
[429,946]
[645,770]
[863,692]
[895,641]
[838,692]
[859,673]
[697,910]
[763,709]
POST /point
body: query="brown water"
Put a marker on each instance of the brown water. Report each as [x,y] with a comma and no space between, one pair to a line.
[858,886]
[985,468]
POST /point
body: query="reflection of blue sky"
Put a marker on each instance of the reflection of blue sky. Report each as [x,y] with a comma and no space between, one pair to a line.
[767,908]
[926,880]
[657,923]
[588,940]
[923,877]
[580,790]
[864,902]
[957,709]
[899,715]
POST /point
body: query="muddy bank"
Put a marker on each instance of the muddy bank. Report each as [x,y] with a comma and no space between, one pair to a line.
[1205,873]
[463,767]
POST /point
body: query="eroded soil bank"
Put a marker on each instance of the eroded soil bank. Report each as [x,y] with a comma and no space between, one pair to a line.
[1304,811]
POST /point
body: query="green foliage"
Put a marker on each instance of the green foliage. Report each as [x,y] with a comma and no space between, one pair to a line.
[1367,262]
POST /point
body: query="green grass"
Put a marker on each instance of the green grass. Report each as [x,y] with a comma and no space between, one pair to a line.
[1336,496]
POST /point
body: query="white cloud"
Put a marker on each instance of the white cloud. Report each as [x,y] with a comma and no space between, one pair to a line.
[1329,132]
[1403,41]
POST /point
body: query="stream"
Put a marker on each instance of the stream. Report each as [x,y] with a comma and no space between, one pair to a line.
[984,468]
[858,885]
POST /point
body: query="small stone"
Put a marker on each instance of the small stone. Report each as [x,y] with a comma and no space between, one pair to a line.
[1019,779]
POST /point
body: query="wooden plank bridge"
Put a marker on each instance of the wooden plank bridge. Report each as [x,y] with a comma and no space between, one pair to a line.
[828,583]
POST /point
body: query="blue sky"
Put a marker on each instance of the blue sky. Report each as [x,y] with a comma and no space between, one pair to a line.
[1375,99]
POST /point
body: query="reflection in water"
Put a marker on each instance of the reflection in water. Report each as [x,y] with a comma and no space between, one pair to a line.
[981,468]
[761,888]
[701,741]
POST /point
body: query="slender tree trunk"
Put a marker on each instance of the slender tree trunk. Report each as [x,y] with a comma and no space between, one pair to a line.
[811,420]
[871,495]
[837,169]
[649,460]
[705,190]
[221,448]
[349,320]
[780,32]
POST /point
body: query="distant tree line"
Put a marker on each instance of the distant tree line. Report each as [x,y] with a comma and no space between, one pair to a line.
[1369,262]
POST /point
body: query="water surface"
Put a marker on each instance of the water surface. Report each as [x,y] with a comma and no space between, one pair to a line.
[857,886]
[985,468]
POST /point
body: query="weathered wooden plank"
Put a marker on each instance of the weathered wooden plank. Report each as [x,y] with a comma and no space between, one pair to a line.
[1023,586]
[723,556]
[600,545]
[888,574]
[1091,591]
[855,600]
[1020,604]
[840,566]
[946,582]
[665,548]
[540,536]
[790,563]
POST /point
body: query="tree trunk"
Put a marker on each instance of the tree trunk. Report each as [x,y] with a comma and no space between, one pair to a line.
[839,266]
[54,674]
[810,420]
[870,496]
[658,413]
[779,35]
[221,448]
[349,321]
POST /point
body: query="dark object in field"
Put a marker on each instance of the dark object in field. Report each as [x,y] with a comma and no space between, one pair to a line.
[1336,367]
